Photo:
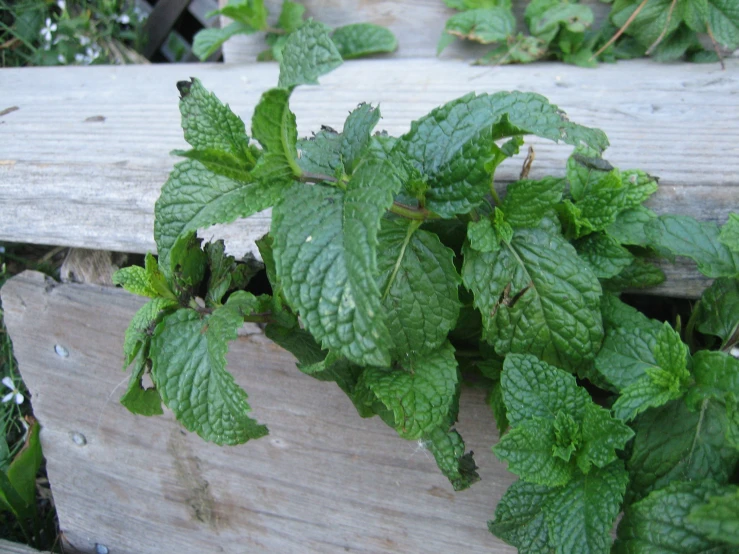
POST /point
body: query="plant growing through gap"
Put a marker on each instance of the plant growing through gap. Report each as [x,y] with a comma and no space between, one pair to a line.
[396,267]
[251,16]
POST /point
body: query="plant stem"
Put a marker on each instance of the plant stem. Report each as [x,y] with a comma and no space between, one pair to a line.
[621,31]
[409,212]
[664,31]
[306,177]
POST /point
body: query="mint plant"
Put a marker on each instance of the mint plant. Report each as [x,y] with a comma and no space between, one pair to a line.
[397,271]
[251,16]
[667,30]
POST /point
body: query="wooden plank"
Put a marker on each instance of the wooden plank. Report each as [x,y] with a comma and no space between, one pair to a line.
[7,547]
[160,22]
[324,480]
[417,24]
[67,180]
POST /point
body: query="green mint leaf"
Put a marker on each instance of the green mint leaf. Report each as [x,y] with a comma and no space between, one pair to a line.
[209,124]
[188,262]
[585,166]
[325,243]
[273,125]
[208,41]
[475,4]
[527,202]
[321,154]
[221,268]
[535,389]
[138,399]
[521,49]
[697,240]
[135,280]
[251,13]
[18,484]
[580,515]
[142,326]
[363,39]
[298,342]
[716,377]
[535,295]
[673,443]
[729,234]
[220,163]
[718,310]
[617,314]
[453,145]
[600,204]
[639,186]
[601,436]
[664,380]
[534,452]
[638,274]
[194,197]
[188,354]
[419,286]
[661,521]
[497,405]
[448,450]
[718,519]
[544,18]
[605,256]
[421,395]
[484,25]
[519,517]
[308,53]
[652,21]
[291,16]
[482,236]
[629,226]
[628,351]
[357,133]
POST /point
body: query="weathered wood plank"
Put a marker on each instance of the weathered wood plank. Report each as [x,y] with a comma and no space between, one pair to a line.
[324,480]
[7,547]
[417,24]
[92,184]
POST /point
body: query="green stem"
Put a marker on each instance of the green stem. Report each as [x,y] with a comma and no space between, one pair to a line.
[494,193]
[409,212]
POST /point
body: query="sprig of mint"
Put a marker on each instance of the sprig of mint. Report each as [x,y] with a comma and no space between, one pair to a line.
[252,16]
[397,271]
[563,30]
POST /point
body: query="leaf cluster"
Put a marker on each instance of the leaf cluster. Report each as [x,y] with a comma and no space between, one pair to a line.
[398,268]
[252,16]
[667,30]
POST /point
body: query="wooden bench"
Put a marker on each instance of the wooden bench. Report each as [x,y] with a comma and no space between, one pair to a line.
[81,163]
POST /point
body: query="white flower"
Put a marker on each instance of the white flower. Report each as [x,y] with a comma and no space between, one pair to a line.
[62,4]
[14,394]
[61,59]
[50,28]
[79,58]
[124,19]
[84,41]
[734,351]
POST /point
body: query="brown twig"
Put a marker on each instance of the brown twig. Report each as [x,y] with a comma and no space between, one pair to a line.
[530,157]
[621,31]
[664,31]
[715,46]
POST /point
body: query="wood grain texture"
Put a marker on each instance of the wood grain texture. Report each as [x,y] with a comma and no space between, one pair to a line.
[417,24]
[323,481]
[67,180]
[7,547]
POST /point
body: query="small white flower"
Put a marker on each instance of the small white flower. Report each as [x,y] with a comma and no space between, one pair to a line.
[61,59]
[79,58]
[14,393]
[48,29]
[735,351]
[62,4]
[123,19]
[84,41]
[140,15]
